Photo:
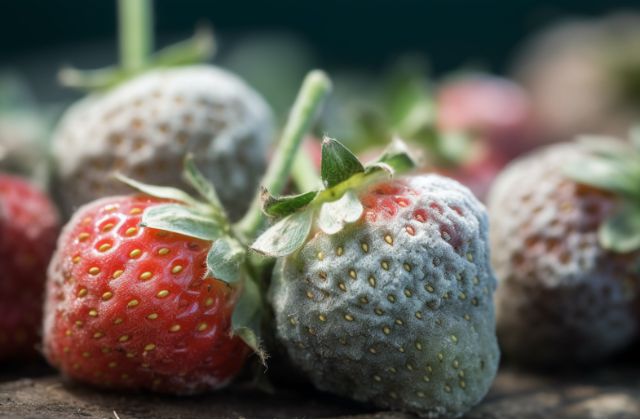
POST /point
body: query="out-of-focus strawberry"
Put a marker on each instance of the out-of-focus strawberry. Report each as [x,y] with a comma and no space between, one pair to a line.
[28,229]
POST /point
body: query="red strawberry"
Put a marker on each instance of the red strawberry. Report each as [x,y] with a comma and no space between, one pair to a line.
[28,228]
[134,307]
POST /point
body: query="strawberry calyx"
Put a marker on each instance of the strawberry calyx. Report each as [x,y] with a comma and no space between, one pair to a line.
[336,205]
[227,258]
[614,167]
[136,42]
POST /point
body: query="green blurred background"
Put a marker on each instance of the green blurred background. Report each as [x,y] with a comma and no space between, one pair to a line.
[37,37]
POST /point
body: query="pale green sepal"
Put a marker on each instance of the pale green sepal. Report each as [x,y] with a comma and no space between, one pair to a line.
[183,220]
[621,232]
[168,193]
[225,259]
[286,236]
[285,205]
[338,163]
[335,215]
[397,156]
[205,188]
[247,316]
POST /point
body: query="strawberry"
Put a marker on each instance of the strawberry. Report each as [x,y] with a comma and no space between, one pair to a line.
[582,76]
[565,240]
[383,291]
[145,125]
[132,307]
[28,229]
[495,110]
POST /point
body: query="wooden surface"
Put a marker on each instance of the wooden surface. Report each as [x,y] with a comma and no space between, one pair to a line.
[605,391]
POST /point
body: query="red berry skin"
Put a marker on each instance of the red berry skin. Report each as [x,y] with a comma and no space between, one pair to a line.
[28,230]
[130,307]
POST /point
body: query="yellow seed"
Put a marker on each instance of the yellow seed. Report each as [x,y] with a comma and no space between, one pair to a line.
[408,293]
[202,326]
[476,280]
[163,293]
[470,257]
[76,259]
[131,231]
[209,301]
[118,321]
[463,384]
[163,251]
[320,255]
[135,210]
[133,303]
[392,370]
[342,286]
[372,281]
[107,295]
[93,313]
[123,338]
[322,318]
[462,296]
[454,338]
[467,317]
[455,364]
[149,347]
[135,253]
[386,330]
[418,345]
[409,366]
[110,207]
[112,364]
[388,239]
[379,311]
[420,394]
[175,328]
[399,321]
[364,300]
[152,316]
[83,236]
[98,335]
[146,275]
[348,317]
[372,350]
[419,315]
[107,227]
[130,355]
[104,247]
[430,288]
[391,298]
[353,274]
[82,292]
[94,270]
[117,274]
[385,265]
[310,295]
[176,269]
[79,323]
[339,251]
[105,350]
[440,357]
[377,378]
[365,247]
[86,220]
[447,388]
[86,354]
[426,378]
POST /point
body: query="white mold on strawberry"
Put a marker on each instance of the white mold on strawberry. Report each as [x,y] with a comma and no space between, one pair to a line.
[387,297]
[144,128]
[564,297]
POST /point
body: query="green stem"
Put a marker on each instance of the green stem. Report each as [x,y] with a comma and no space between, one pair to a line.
[135,32]
[315,88]
[304,173]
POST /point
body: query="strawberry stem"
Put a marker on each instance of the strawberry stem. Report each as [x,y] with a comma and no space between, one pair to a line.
[135,32]
[315,88]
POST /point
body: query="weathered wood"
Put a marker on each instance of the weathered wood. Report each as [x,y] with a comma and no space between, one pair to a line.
[612,391]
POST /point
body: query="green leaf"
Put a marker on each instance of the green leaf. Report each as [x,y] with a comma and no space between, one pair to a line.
[621,232]
[606,173]
[183,220]
[397,156]
[284,206]
[338,163]
[247,317]
[205,188]
[336,214]
[225,259]
[168,193]
[286,236]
